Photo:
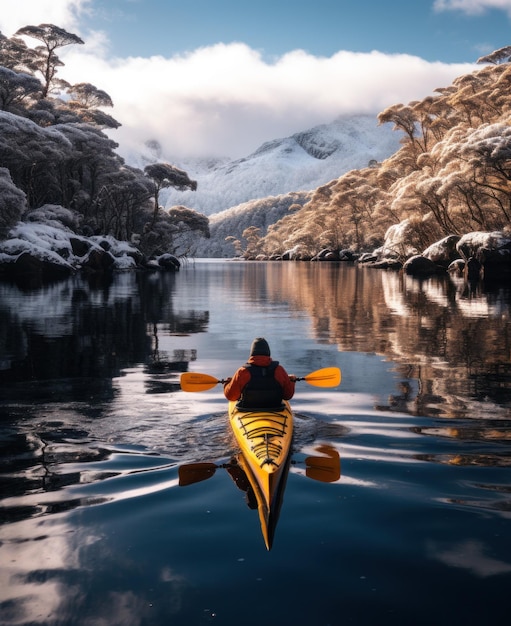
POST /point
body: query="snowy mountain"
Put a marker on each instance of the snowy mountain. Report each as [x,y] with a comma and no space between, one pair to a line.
[302,162]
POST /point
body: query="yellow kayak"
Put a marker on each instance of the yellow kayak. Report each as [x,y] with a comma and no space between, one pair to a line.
[264,437]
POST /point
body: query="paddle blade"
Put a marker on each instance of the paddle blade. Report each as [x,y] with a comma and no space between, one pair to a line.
[326,377]
[195,473]
[193,381]
[326,469]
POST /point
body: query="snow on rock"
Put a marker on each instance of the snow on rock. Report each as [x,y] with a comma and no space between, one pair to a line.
[471,243]
[50,249]
[443,252]
[36,245]
[292,254]
[486,254]
[396,244]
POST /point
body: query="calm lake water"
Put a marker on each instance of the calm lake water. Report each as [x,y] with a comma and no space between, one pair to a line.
[96,530]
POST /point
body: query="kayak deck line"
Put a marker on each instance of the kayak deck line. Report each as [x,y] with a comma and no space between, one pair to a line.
[270,451]
[275,427]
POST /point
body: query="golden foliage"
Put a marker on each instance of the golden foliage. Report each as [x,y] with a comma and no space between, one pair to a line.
[451,175]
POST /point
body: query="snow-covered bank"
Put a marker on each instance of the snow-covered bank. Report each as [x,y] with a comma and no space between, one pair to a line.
[48,249]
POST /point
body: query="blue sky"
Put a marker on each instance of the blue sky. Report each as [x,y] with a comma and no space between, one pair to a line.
[220,77]
[321,27]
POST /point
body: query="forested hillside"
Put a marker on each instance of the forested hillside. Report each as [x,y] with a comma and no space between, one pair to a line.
[53,152]
[238,230]
[452,174]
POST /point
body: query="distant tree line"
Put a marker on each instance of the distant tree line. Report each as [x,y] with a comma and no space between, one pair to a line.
[53,151]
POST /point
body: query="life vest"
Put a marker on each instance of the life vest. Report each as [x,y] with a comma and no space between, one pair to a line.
[262,390]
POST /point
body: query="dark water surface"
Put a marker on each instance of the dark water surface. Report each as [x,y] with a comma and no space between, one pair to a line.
[95,529]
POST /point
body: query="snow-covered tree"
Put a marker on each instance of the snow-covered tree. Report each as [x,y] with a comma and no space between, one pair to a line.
[56,154]
[45,60]
[86,100]
[12,202]
[227,227]
[175,232]
[164,175]
[15,54]
[15,88]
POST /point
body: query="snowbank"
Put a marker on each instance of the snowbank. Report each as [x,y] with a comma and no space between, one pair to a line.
[49,249]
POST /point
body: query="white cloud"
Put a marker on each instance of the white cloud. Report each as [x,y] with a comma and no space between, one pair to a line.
[63,13]
[227,99]
[472,7]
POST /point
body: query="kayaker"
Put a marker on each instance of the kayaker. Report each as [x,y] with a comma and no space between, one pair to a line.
[261,382]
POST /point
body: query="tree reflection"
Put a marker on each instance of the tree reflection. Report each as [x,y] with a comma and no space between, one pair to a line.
[453,338]
[80,334]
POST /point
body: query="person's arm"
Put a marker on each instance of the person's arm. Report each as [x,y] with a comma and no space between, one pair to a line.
[233,388]
[287,382]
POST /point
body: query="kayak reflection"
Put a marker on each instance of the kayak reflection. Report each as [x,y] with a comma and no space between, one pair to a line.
[325,467]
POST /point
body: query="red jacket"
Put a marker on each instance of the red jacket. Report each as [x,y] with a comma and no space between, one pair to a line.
[233,389]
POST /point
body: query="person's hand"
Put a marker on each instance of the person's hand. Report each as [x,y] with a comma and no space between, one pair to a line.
[227,380]
[292,378]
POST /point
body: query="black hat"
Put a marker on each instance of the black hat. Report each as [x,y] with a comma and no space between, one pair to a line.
[260,347]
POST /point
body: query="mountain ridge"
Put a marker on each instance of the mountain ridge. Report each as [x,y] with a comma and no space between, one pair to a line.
[302,162]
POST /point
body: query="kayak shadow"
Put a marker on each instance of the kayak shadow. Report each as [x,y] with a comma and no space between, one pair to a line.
[325,466]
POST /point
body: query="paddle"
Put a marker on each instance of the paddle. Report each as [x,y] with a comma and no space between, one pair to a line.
[326,469]
[326,377]
[195,473]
